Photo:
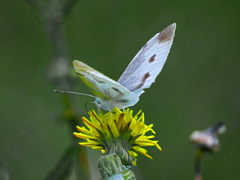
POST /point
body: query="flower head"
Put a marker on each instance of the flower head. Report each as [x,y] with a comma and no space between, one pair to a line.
[207,139]
[118,132]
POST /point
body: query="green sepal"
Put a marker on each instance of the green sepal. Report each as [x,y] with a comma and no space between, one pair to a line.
[128,175]
[110,165]
[122,153]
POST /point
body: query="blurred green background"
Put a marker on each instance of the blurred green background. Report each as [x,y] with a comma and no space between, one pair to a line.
[198,86]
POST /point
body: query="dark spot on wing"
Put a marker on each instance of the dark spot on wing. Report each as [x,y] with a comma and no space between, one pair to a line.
[145,77]
[122,100]
[116,89]
[166,34]
[152,58]
[143,81]
[99,81]
[139,86]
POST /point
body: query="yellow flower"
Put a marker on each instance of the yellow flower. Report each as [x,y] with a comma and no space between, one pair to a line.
[118,132]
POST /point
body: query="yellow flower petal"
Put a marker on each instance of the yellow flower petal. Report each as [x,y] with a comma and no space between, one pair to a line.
[90,144]
[142,151]
[106,130]
[84,136]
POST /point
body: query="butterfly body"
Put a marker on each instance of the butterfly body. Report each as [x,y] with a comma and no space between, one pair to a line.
[140,73]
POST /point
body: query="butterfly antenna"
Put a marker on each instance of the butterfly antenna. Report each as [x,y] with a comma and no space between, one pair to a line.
[70,92]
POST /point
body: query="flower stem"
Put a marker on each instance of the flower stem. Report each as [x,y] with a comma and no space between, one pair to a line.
[197,168]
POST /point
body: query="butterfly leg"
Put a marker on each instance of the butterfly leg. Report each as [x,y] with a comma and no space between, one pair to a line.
[98,109]
[110,113]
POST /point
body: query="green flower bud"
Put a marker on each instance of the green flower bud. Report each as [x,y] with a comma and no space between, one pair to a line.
[111,168]
[110,165]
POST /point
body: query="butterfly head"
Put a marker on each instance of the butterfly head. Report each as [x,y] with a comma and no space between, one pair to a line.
[102,104]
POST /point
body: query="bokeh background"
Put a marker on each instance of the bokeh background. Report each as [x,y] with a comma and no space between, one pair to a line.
[198,86]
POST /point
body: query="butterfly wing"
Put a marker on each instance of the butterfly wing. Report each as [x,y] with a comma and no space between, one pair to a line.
[147,64]
[106,89]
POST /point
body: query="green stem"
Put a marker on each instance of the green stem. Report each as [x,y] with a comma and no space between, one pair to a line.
[198,159]
[53,15]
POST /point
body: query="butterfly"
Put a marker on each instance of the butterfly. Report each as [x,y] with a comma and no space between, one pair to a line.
[140,73]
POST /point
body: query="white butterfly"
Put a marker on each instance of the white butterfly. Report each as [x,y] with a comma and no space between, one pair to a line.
[140,73]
